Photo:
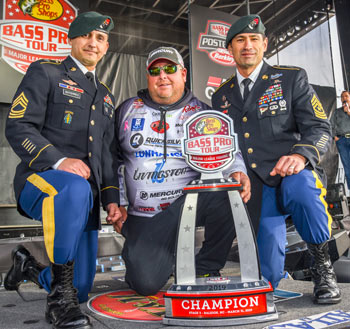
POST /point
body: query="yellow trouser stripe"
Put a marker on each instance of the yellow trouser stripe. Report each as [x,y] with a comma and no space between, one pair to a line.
[48,212]
[322,195]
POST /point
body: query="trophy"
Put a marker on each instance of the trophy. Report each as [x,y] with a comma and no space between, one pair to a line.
[209,145]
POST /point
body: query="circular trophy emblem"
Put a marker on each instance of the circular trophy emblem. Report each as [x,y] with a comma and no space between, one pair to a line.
[209,143]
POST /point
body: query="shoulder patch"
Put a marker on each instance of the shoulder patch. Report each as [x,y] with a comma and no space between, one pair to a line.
[227,81]
[285,67]
[103,84]
[50,61]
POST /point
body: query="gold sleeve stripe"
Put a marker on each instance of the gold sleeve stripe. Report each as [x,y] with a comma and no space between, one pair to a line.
[48,212]
[314,147]
[108,187]
[24,144]
[318,109]
[39,153]
[31,149]
[319,185]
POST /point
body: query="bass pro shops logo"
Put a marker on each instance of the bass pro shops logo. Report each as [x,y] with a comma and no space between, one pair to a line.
[212,41]
[209,143]
[35,29]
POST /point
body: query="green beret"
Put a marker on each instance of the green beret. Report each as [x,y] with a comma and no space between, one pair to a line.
[246,24]
[90,21]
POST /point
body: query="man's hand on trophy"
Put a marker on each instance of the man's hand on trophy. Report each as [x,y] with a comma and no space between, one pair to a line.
[242,178]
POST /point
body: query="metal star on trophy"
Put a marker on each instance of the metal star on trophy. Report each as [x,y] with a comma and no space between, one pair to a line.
[209,145]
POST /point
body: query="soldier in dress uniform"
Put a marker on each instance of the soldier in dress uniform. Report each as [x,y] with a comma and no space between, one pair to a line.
[61,126]
[283,131]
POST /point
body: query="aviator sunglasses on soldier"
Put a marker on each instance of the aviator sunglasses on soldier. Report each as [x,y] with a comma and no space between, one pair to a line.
[168,69]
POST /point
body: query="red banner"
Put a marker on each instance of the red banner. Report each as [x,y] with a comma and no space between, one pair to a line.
[219,307]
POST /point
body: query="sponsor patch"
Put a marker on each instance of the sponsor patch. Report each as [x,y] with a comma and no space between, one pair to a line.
[158,175]
[317,321]
[126,125]
[138,103]
[137,124]
[155,154]
[317,107]
[158,127]
[159,142]
[19,106]
[136,140]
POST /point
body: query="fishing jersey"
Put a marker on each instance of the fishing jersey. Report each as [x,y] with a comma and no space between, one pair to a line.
[149,137]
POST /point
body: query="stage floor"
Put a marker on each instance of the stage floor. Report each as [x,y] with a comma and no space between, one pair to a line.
[18,314]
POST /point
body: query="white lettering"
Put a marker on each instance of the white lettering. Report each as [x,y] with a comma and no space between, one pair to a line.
[183,304]
[217,304]
[195,304]
[228,303]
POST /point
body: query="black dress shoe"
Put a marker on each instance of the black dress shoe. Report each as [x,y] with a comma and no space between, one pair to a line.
[24,267]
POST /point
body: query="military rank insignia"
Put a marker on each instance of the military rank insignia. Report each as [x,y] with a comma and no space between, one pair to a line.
[318,108]
[19,106]
[68,115]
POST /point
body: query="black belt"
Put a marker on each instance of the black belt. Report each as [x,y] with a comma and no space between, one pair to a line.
[346,136]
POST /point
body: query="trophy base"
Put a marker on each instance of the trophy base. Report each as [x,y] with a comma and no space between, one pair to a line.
[219,301]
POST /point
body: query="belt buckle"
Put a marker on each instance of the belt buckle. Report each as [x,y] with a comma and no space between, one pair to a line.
[347,135]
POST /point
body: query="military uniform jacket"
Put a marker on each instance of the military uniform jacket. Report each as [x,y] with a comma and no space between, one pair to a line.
[282,115]
[56,113]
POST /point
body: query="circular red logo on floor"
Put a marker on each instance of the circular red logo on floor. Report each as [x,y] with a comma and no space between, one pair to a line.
[128,305]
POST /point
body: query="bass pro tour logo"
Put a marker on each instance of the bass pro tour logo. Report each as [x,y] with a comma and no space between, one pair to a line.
[35,29]
[212,41]
[209,143]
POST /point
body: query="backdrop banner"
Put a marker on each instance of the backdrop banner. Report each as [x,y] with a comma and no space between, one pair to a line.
[211,63]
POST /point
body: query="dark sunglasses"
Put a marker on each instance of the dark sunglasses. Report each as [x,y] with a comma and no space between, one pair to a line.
[168,69]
